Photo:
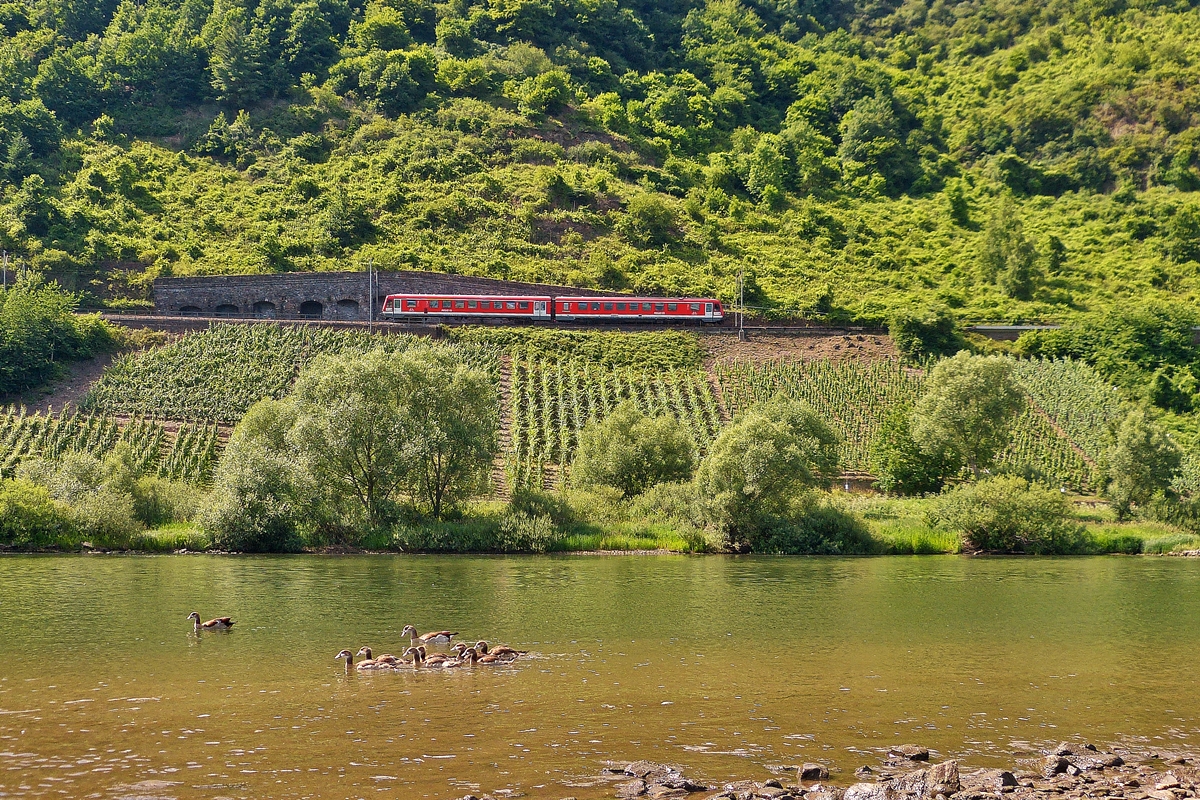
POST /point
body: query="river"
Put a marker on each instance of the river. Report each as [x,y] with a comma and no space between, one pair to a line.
[722,665]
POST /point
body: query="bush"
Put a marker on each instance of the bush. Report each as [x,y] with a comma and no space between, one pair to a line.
[813,527]
[923,334]
[901,466]
[527,533]
[1008,514]
[158,501]
[31,518]
[631,452]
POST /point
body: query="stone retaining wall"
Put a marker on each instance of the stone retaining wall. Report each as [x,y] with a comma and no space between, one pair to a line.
[320,295]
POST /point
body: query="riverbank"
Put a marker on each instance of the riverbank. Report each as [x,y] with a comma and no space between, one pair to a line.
[1068,771]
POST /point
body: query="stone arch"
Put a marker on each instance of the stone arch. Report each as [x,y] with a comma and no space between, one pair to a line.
[226,310]
[191,310]
[264,308]
[311,308]
[347,309]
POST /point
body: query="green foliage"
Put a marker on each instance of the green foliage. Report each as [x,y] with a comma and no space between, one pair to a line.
[760,463]
[1008,514]
[1142,463]
[631,452]
[925,333]
[899,463]
[31,518]
[968,409]
[38,331]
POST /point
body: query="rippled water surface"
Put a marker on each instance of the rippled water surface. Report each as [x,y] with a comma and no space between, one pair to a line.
[721,665]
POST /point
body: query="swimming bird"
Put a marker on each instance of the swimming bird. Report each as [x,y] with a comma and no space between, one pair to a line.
[418,659]
[484,657]
[346,656]
[469,656]
[375,663]
[437,659]
[501,650]
[433,637]
[218,624]
[386,658]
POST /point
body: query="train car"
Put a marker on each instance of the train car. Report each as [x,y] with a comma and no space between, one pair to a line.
[460,306]
[639,309]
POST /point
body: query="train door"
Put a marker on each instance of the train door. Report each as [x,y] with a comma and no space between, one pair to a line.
[708,311]
[539,310]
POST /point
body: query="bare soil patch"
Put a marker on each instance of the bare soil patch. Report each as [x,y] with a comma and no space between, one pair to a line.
[67,390]
[797,346]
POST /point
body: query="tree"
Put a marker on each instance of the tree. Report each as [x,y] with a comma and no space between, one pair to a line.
[1141,463]
[632,452]
[921,333]
[1007,513]
[760,463]
[968,409]
[899,463]
[1007,257]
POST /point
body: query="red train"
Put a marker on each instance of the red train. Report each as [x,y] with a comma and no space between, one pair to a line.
[547,309]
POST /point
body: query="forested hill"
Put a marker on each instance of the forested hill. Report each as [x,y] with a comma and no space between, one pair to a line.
[1007,159]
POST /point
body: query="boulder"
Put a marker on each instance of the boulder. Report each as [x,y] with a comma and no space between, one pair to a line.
[910,751]
[659,791]
[1054,765]
[771,792]
[943,778]
[773,783]
[864,771]
[1161,794]
[812,772]
[869,791]
[1063,749]
[992,780]
[1167,781]
[634,788]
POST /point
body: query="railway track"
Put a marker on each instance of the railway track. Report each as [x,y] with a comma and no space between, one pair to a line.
[178,323]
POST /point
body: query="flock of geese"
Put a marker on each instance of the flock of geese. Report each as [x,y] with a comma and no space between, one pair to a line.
[417,656]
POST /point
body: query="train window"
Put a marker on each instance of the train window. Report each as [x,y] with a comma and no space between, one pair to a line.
[620,306]
[658,306]
[410,303]
[645,306]
[472,304]
[608,306]
[595,306]
[459,304]
[695,307]
[524,306]
[434,304]
[672,306]
[510,305]
[581,306]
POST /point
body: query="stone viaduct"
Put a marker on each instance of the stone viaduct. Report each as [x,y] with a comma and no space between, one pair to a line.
[319,295]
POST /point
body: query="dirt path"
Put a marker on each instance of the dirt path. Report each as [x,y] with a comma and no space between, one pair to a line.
[66,391]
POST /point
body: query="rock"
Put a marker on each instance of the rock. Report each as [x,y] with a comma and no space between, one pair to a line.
[823,794]
[1074,771]
[1168,781]
[1091,747]
[634,788]
[1109,760]
[771,792]
[812,772]
[910,751]
[943,778]
[661,791]
[1054,765]
[869,791]
[1161,794]
[773,784]
[640,769]
[864,771]
[1063,749]
[993,780]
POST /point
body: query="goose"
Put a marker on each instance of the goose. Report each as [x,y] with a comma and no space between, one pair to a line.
[484,657]
[346,656]
[433,637]
[501,650]
[418,659]
[469,656]
[375,663]
[386,658]
[437,659]
[218,624]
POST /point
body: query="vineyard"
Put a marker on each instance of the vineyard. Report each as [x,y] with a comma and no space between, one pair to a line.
[219,373]
[552,401]
[188,453]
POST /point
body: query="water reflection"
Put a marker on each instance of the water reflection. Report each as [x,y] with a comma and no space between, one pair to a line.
[724,665]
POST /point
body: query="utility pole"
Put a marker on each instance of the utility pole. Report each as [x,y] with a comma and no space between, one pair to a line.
[742,304]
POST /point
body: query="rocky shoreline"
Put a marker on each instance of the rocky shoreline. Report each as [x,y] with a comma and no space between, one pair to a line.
[1066,772]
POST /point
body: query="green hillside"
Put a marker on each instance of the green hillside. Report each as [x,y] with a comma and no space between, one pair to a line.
[1009,159]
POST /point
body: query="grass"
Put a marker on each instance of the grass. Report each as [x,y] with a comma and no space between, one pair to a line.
[170,538]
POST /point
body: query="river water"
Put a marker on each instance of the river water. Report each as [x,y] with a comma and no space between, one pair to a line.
[724,666]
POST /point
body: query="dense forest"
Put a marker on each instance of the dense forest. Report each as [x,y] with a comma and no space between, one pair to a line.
[1003,159]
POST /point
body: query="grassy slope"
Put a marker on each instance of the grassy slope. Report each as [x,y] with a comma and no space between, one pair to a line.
[475,186]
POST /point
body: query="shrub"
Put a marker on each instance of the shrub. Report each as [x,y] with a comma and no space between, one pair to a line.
[631,452]
[30,517]
[922,334]
[158,501]
[899,463]
[813,527]
[527,533]
[1008,514]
